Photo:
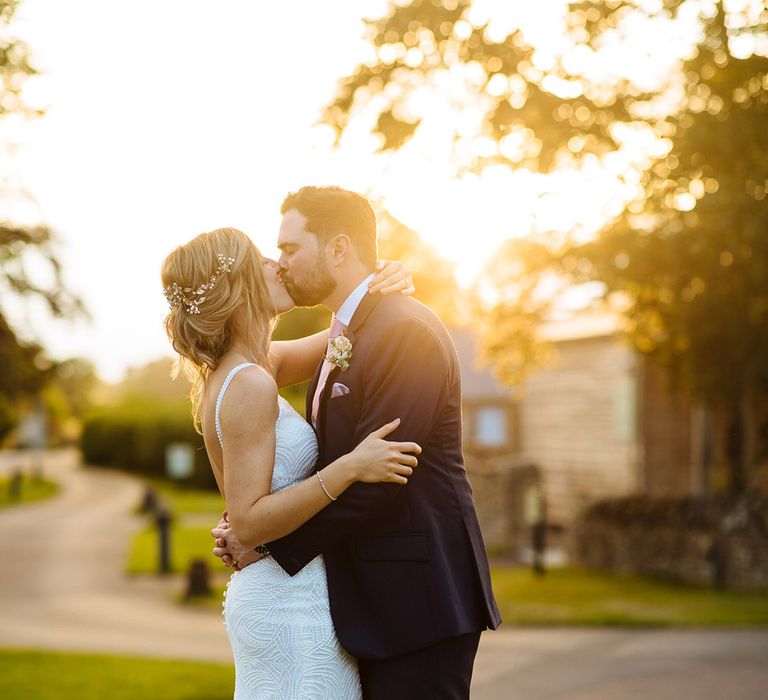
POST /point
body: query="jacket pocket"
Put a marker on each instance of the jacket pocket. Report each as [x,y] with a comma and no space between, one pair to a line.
[405,547]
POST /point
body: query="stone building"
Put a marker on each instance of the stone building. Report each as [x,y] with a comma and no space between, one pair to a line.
[596,422]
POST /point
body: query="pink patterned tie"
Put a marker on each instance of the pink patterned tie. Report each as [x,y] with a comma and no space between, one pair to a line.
[337,328]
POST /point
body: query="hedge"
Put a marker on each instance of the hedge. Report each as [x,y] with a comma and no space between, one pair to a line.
[711,539]
[134,435]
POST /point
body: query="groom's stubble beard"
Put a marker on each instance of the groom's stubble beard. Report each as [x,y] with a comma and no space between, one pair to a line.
[317,286]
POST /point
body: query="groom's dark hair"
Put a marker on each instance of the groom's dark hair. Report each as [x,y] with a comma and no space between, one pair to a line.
[333,210]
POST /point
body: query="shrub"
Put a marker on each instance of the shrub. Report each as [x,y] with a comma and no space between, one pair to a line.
[134,434]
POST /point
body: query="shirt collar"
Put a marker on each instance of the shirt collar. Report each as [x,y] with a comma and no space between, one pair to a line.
[347,309]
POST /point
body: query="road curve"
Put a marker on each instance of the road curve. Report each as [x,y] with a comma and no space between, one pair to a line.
[62,584]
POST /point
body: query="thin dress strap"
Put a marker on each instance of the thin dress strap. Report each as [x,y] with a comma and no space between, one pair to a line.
[223,390]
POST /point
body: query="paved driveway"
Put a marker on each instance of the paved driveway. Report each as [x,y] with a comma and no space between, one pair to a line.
[61,580]
[605,664]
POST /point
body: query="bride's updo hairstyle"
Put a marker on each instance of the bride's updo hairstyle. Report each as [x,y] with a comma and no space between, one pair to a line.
[205,282]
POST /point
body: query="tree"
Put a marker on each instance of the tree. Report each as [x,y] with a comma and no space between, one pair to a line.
[25,369]
[513,299]
[688,256]
[691,254]
[17,241]
[529,114]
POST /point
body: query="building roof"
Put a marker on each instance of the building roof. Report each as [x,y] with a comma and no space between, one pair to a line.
[477,380]
[588,323]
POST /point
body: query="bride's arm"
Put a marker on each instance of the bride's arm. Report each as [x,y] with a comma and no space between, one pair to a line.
[248,420]
[295,361]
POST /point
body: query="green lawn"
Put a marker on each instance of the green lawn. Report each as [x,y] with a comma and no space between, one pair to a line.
[194,512]
[187,543]
[183,501]
[31,490]
[577,597]
[33,675]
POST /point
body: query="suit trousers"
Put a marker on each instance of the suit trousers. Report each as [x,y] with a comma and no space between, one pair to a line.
[442,671]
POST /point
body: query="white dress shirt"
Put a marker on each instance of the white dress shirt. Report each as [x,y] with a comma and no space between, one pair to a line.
[349,306]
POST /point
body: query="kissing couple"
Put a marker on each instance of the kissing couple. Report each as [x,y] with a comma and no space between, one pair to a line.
[360,569]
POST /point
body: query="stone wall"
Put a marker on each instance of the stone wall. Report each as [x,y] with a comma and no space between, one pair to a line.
[711,540]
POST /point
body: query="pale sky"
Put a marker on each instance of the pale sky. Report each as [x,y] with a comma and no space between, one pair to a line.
[169,118]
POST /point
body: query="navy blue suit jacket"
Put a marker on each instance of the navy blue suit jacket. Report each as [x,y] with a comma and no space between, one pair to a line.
[406,564]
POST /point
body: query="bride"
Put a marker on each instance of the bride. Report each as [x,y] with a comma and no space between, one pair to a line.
[224,299]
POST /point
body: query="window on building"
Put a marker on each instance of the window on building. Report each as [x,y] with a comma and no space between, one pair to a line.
[491,426]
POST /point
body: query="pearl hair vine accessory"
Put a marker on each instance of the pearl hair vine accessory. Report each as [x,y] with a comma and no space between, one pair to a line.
[191,298]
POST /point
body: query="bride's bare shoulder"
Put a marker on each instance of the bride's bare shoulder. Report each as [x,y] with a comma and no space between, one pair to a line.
[252,389]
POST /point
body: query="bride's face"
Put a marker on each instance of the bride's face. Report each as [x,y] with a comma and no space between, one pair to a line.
[280,297]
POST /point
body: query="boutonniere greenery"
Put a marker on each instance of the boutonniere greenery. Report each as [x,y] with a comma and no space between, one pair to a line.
[340,352]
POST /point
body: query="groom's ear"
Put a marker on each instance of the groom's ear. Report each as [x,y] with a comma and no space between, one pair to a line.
[339,249]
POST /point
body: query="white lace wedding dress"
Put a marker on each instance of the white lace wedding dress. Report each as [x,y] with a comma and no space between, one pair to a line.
[280,626]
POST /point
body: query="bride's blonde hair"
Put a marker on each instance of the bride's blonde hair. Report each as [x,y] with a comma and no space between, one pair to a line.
[205,282]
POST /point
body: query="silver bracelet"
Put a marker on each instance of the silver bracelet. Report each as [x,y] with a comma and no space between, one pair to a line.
[322,483]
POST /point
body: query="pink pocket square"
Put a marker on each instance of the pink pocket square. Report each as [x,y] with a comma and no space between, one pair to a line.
[339,389]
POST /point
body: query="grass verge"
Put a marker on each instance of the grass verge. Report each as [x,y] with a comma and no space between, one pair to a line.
[187,543]
[35,675]
[576,597]
[194,513]
[185,502]
[31,489]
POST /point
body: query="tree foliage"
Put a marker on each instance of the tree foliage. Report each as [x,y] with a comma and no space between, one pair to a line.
[17,245]
[518,281]
[15,66]
[25,370]
[18,241]
[22,370]
[688,257]
[691,255]
[529,115]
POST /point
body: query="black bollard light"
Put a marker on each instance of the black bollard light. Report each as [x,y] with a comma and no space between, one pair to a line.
[149,501]
[163,520]
[198,579]
[539,546]
[14,486]
[718,559]
[539,533]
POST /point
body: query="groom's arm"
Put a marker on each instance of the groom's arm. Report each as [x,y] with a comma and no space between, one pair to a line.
[406,377]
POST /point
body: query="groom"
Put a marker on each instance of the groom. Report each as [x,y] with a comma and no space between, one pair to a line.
[408,576]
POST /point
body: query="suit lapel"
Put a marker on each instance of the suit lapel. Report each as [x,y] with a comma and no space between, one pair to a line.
[368,303]
[323,399]
[364,309]
[311,393]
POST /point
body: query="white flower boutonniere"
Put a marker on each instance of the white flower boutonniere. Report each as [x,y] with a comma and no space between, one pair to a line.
[340,352]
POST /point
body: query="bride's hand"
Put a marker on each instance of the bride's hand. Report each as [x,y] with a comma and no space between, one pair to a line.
[381,460]
[228,549]
[392,276]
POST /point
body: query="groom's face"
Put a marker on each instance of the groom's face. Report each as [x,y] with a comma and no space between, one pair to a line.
[303,266]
